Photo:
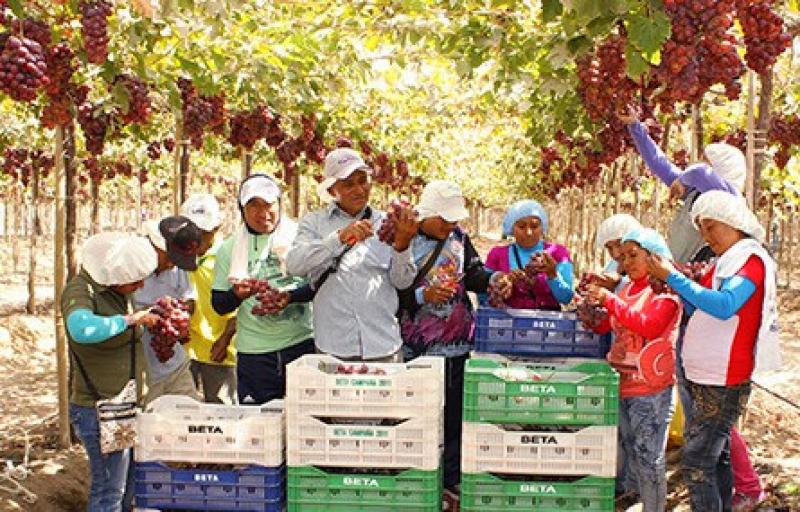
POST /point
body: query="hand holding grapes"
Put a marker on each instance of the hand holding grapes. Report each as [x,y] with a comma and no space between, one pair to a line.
[243,289]
[436,294]
[545,263]
[597,295]
[659,267]
[607,280]
[629,116]
[406,228]
[144,317]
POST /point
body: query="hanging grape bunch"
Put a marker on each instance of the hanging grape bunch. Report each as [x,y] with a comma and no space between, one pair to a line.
[269,300]
[589,314]
[23,68]
[60,68]
[169,144]
[17,165]
[785,132]
[388,228]
[139,104]
[94,123]
[36,30]
[248,127]
[172,327]
[275,134]
[94,27]
[154,150]
[764,33]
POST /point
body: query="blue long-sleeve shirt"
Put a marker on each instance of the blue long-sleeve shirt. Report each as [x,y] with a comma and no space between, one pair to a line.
[700,177]
[721,304]
[86,327]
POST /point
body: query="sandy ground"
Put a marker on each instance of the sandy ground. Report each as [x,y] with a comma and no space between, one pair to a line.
[59,478]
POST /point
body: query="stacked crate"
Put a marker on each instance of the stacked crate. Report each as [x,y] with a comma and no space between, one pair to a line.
[197,456]
[364,436]
[540,429]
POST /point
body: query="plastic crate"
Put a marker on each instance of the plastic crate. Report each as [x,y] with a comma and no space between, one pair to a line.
[489,493]
[526,332]
[311,489]
[400,390]
[487,448]
[412,443]
[541,392]
[180,429]
[253,488]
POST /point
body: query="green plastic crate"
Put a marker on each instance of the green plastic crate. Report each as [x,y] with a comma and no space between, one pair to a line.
[562,392]
[312,489]
[484,492]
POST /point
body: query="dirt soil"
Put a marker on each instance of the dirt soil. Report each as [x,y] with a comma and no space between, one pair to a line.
[58,479]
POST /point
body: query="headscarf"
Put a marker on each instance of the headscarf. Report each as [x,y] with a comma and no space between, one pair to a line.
[520,210]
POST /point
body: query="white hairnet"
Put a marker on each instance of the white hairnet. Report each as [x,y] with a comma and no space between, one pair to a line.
[728,162]
[152,231]
[614,228]
[730,209]
[114,258]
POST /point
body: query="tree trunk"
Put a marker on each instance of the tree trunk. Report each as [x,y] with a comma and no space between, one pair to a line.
[697,132]
[62,358]
[296,194]
[762,125]
[94,217]
[247,163]
[70,204]
[30,307]
[185,169]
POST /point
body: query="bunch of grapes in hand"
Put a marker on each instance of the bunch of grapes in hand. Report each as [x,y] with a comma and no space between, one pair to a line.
[269,300]
[591,315]
[172,326]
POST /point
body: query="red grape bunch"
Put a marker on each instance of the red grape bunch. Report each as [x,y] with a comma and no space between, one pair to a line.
[764,33]
[39,31]
[200,113]
[94,27]
[269,300]
[154,150]
[172,327]
[94,123]
[695,270]
[388,227]
[17,165]
[659,287]
[589,314]
[785,132]
[248,127]
[23,68]
[139,103]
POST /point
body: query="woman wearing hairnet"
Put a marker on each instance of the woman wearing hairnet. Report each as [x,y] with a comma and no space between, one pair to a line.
[732,332]
[103,333]
[526,221]
[646,324]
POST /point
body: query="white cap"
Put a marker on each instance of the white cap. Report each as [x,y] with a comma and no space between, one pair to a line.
[203,210]
[732,210]
[153,233]
[442,198]
[728,162]
[339,165]
[261,186]
[614,228]
[114,258]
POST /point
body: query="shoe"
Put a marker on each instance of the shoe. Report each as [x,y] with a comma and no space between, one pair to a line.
[747,502]
[450,501]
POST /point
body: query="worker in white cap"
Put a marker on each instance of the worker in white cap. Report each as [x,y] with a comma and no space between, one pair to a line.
[176,240]
[211,345]
[104,334]
[354,274]
[265,344]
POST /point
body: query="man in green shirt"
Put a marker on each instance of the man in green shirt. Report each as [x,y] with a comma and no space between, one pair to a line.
[265,344]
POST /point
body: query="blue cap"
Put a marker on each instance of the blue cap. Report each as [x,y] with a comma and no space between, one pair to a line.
[649,240]
[520,210]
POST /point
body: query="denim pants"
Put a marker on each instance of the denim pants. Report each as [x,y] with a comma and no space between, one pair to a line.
[706,454]
[643,426]
[110,475]
[262,377]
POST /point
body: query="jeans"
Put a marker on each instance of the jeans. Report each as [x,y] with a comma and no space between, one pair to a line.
[643,426]
[109,472]
[706,456]
[262,377]
[745,478]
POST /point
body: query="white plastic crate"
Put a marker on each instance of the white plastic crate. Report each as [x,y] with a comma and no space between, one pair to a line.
[411,443]
[180,429]
[489,448]
[387,390]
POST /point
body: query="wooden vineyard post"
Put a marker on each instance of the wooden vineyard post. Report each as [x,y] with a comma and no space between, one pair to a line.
[750,182]
[31,305]
[15,201]
[791,246]
[94,218]
[139,200]
[247,163]
[183,175]
[295,194]
[62,359]
[70,205]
